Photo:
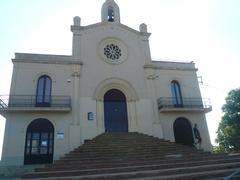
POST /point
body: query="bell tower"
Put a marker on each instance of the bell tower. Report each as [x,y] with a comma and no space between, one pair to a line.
[110,12]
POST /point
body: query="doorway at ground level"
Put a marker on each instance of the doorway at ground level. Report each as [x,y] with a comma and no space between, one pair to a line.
[39,142]
[183,132]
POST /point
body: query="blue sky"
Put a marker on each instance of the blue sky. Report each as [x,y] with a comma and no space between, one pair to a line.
[206,32]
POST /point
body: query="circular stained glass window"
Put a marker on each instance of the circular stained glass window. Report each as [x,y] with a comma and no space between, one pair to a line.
[112,51]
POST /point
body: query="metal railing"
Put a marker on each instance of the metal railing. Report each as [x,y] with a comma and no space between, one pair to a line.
[235,174]
[18,101]
[186,102]
[2,104]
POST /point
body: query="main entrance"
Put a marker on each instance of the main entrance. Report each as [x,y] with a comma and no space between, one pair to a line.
[115,111]
[183,132]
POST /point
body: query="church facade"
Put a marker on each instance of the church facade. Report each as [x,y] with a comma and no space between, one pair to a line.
[108,84]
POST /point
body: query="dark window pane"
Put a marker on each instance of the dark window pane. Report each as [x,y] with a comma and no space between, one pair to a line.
[35,135]
[35,143]
[173,89]
[28,135]
[44,143]
[176,92]
[43,150]
[40,90]
[28,143]
[51,136]
[28,150]
[35,150]
[44,90]
[48,87]
[50,150]
[44,136]
[50,143]
[47,90]
[40,86]
[39,98]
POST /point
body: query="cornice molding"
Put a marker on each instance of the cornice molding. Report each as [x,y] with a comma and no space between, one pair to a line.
[45,59]
[92,26]
[173,67]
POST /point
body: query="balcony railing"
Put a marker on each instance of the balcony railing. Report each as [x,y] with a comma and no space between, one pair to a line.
[33,102]
[184,104]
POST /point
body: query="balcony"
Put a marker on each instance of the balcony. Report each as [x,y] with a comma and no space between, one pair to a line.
[168,104]
[33,103]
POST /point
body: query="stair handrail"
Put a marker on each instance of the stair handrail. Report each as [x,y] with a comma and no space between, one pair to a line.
[2,104]
[232,175]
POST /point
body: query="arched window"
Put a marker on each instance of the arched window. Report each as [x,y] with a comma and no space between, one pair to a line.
[39,142]
[110,14]
[44,87]
[176,93]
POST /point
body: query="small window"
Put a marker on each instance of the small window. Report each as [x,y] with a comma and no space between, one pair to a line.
[176,93]
[110,15]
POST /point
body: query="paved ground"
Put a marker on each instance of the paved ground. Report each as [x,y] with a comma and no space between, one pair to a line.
[13,172]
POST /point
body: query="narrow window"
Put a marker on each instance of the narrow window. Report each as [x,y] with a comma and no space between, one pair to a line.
[44,87]
[110,15]
[176,93]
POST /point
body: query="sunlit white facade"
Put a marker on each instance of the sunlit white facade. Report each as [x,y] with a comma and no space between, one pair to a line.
[108,84]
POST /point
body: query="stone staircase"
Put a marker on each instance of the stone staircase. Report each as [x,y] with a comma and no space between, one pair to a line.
[137,156]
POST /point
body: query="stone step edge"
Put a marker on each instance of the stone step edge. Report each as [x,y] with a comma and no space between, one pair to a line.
[187,175]
[212,162]
[176,160]
[109,175]
[89,150]
[141,171]
[117,158]
[115,155]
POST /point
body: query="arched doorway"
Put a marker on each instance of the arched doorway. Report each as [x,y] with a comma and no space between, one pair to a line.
[39,142]
[183,132]
[115,111]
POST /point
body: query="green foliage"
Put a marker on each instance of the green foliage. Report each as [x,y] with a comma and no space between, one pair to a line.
[228,133]
[218,149]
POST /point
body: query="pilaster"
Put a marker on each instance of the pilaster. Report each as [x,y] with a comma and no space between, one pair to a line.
[75,92]
[76,29]
[132,116]
[100,116]
[150,77]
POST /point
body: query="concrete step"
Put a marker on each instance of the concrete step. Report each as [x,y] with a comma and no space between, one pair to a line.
[137,156]
[132,148]
[123,158]
[137,162]
[205,175]
[143,166]
[130,142]
[133,173]
[114,155]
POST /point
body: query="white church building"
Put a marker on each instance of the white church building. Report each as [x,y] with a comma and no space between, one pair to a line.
[108,84]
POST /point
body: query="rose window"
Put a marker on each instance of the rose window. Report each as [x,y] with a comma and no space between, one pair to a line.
[112,51]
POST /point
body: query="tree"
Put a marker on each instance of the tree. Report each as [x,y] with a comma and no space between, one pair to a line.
[228,133]
[218,149]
